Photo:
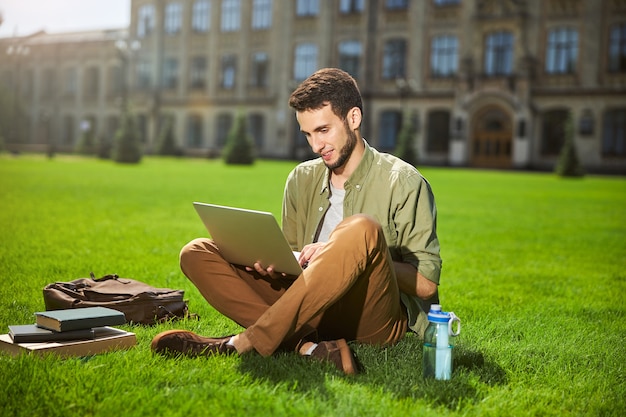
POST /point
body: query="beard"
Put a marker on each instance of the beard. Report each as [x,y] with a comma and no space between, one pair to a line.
[346,152]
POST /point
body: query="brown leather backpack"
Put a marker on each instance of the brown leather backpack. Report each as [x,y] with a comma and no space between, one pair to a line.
[141,303]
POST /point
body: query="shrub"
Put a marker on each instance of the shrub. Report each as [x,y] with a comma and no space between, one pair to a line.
[568,164]
[86,144]
[167,143]
[239,149]
[126,146]
[7,115]
[405,149]
[104,148]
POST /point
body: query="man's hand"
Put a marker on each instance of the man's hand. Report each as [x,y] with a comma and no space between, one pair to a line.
[309,252]
[266,272]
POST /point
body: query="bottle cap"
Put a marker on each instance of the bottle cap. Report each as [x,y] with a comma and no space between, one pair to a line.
[437,316]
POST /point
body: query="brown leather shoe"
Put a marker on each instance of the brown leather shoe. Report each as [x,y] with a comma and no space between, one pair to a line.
[183,342]
[338,353]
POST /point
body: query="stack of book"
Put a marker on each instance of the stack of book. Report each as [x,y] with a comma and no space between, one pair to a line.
[71,332]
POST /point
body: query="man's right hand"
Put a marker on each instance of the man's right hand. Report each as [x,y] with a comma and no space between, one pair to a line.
[266,272]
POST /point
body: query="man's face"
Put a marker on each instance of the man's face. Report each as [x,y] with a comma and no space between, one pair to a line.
[328,135]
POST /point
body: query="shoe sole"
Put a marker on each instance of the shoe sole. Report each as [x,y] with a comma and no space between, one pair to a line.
[347,359]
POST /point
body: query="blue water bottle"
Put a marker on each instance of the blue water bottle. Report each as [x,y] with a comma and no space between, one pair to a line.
[437,360]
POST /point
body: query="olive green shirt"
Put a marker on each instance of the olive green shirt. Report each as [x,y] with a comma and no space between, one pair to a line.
[388,189]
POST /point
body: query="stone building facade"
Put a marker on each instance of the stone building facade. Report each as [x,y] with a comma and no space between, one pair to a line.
[484,83]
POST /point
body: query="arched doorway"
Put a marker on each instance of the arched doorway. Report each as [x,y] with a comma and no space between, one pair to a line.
[492,136]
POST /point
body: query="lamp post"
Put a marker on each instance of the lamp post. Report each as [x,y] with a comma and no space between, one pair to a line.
[18,51]
[126,147]
[125,49]
[405,147]
[405,88]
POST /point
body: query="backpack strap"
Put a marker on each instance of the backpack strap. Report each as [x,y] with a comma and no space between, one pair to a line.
[104,278]
[108,277]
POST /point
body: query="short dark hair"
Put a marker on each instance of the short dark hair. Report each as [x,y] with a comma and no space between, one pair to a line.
[327,86]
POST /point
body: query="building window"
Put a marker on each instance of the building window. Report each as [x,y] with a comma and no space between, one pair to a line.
[197,72]
[201,16]
[143,75]
[167,125]
[89,125]
[350,57]
[438,131]
[562,51]
[499,54]
[91,82]
[521,128]
[170,73]
[553,132]
[116,80]
[145,20]
[67,134]
[351,6]
[307,7]
[299,141]
[224,124]
[614,133]
[194,131]
[229,71]
[259,71]
[231,15]
[390,124]
[142,127]
[444,56]
[49,84]
[70,85]
[394,59]
[27,83]
[617,48]
[261,14]
[397,4]
[256,129]
[306,61]
[173,18]
[112,126]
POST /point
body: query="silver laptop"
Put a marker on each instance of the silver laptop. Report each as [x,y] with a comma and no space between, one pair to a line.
[248,236]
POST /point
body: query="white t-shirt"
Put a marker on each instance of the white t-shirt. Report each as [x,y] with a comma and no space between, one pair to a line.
[334,214]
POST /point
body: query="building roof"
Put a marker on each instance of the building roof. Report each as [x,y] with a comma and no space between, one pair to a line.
[42,37]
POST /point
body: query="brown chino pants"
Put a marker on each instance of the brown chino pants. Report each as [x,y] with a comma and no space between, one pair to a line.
[349,291]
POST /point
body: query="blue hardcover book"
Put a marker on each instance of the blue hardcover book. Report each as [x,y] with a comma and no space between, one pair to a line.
[31,333]
[79,318]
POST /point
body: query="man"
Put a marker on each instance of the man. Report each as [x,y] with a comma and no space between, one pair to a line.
[365,225]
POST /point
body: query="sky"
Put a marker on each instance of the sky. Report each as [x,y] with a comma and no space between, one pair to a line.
[24,17]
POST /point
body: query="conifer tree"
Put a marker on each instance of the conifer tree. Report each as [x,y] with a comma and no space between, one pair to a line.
[568,164]
[167,142]
[405,148]
[126,146]
[86,144]
[239,149]
[104,148]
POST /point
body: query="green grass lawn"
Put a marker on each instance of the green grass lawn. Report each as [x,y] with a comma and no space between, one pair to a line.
[533,266]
